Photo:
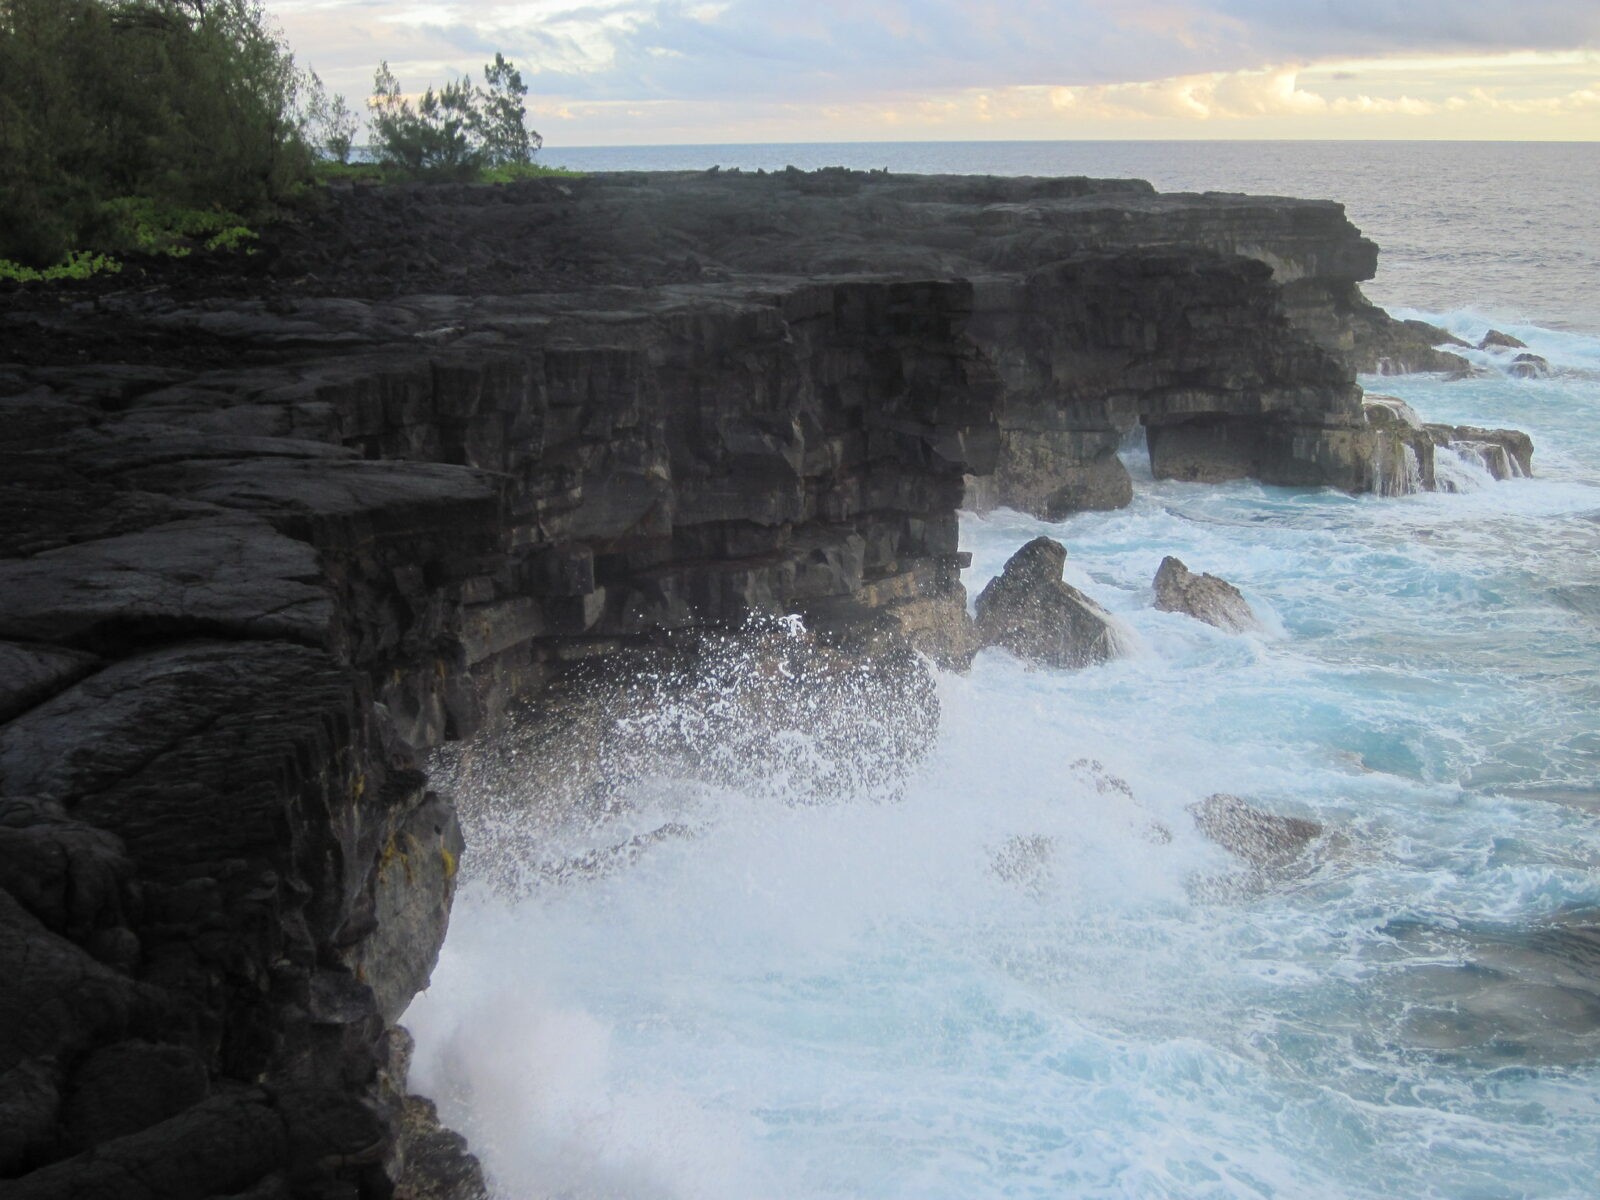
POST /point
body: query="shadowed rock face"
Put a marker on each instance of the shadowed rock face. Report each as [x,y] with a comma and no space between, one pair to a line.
[273,529]
[1203,597]
[1029,610]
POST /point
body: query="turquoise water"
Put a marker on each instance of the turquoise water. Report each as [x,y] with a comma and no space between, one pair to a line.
[1029,976]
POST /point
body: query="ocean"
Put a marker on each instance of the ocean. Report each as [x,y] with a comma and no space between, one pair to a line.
[842,997]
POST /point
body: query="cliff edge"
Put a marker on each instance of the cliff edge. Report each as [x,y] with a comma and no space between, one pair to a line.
[274,528]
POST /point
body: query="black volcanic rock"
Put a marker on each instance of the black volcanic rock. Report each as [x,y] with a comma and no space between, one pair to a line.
[1029,610]
[1495,340]
[276,525]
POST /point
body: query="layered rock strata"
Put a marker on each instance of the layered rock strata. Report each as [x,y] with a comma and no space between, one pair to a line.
[238,601]
[1230,325]
[1405,448]
[273,528]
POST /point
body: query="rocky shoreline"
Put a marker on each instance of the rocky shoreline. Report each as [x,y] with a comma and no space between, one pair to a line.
[277,530]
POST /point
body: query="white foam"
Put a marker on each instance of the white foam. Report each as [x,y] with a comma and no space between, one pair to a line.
[1029,975]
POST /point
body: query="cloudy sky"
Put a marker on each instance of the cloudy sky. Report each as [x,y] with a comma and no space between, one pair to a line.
[638,72]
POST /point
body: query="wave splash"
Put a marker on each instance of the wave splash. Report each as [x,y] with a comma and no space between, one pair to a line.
[786,930]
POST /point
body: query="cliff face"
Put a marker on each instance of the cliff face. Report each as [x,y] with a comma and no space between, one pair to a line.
[261,551]
[1228,325]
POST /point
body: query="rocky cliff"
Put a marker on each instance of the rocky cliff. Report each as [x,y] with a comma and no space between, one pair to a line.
[272,529]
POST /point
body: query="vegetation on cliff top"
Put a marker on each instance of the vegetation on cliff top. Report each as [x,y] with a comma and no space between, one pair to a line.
[171,126]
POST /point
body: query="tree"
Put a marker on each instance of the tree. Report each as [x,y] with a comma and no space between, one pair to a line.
[328,124]
[437,137]
[456,130]
[179,103]
[503,115]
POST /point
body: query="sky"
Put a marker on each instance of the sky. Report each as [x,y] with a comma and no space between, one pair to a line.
[661,72]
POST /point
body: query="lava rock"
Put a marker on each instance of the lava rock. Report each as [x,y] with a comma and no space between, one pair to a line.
[1203,597]
[1029,610]
[1264,840]
[1495,340]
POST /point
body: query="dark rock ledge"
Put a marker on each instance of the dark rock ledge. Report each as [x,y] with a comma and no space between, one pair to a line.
[268,534]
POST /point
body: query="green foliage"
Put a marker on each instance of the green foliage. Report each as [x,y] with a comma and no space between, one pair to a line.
[146,226]
[436,137]
[457,131]
[327,124]
[78,265]
[511,172]
[502,116]
[188,103]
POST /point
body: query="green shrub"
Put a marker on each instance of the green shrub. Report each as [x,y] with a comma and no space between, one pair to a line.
[190,104]
[456,132]
[511,172]
[327,124]
[79,265]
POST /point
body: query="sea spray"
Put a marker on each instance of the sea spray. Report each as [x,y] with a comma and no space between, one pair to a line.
[1005,969]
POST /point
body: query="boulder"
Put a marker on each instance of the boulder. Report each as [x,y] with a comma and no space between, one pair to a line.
[1529,366]
[1495,340]
[1264,840]
[1203,597]
[1029,610]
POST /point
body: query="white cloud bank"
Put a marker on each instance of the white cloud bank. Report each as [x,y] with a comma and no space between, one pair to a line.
[622,71]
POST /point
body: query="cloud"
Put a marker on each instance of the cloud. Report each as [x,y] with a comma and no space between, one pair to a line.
[1037,67]
[1273,92]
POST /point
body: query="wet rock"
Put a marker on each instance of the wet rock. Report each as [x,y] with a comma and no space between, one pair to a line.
[1503,453]
[413,889]
[438,1165]
[1391,413]
[1500,995]
[1529,366]
[1385,346]
[1203,597]
[1029,610]
[1495,340]
[1264,840]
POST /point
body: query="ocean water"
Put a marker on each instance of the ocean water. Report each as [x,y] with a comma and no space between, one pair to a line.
[1024,973]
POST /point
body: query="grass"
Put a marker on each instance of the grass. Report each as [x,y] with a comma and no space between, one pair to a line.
[329,171]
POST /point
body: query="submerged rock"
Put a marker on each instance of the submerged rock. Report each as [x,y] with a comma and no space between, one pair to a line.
[1203,597]
[1529,366]
[1495,340]
[1498,994]
[1029,610]
[1264,840]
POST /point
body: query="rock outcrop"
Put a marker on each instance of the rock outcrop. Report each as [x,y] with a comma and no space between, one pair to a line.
[1203,597]
[1405,449]
[1266,841]
[1529,366]
[277,526]
[1031,611]
[1496,340]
